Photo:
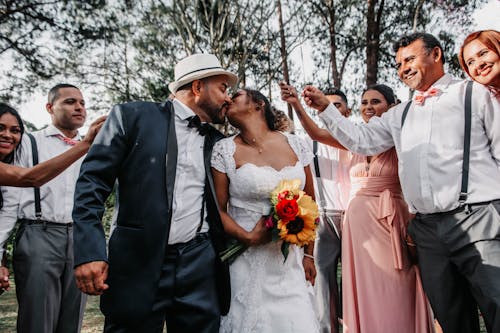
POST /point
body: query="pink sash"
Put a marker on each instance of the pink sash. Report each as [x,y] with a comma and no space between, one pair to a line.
[388,189]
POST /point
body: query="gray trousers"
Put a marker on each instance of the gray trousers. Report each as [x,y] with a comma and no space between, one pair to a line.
[459,258]
[49,301]
[327,254]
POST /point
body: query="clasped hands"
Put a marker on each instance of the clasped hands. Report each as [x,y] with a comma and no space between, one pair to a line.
[313,97]
[91,277]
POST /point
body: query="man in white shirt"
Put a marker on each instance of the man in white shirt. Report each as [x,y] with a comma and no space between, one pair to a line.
[332,191]
[332,194]
[49,300]
[459,252]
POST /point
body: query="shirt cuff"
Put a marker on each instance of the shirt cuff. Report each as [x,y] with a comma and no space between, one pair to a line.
[331,113]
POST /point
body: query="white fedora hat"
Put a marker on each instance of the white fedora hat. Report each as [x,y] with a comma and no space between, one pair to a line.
[198,66]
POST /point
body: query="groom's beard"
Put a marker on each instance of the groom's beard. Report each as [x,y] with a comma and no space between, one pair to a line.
[217,113]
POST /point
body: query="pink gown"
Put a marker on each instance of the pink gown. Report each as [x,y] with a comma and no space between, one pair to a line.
[382,291]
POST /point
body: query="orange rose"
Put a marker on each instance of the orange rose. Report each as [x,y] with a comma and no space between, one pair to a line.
[287,209]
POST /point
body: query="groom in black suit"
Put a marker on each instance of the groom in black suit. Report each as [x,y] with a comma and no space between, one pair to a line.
[162,263]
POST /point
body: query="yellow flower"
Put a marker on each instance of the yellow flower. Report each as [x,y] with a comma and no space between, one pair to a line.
[307,206]
[286,188]
[300,231]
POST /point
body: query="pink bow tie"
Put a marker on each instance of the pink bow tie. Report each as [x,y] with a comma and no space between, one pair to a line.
[66,140]
[420,98]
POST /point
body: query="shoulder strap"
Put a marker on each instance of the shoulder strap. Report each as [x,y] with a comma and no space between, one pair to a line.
[316,162]
[465,163]
[405,113]
[322,202]
[34,151]
[321,193]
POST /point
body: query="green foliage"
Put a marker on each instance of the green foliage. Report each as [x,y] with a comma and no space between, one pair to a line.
[121,51]
[448,20]
[107,218]
[37,36]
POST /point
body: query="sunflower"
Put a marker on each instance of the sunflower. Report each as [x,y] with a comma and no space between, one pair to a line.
[300,231]
[297,225]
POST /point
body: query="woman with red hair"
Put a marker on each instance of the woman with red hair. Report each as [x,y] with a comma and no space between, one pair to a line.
[479,57]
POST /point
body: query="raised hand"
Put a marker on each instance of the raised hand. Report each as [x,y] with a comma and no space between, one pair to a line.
[288,93]
[91,277]
[315,98]
[94,129]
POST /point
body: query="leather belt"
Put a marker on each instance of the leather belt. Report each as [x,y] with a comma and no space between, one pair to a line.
[46,223]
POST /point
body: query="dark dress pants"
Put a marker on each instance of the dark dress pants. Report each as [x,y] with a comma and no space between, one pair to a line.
[327,254]
[459,258]
[186,298]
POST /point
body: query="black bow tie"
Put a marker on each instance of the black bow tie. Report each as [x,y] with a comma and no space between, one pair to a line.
[195,122]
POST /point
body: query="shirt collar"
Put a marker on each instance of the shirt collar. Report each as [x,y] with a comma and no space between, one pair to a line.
[51,130]
[442,83]
[182,111]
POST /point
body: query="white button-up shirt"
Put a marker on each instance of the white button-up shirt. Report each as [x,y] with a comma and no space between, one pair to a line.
[334,165]
[56,196]
[189,179]
[430,146]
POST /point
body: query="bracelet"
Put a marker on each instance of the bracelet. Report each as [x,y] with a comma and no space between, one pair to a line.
[309,256]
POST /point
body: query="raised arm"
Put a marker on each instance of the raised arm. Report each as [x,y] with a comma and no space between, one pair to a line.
[259,234]
[38,175]
[371,138]
[290,95]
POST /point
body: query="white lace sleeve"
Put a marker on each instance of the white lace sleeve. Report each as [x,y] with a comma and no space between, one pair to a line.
[218,161]
[301,148]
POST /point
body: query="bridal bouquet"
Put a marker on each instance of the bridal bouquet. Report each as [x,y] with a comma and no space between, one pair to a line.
[293,219]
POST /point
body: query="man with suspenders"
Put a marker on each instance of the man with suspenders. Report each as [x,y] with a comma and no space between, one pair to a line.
[49,300]
[450,179]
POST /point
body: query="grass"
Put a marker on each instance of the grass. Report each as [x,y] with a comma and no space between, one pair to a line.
[93,319]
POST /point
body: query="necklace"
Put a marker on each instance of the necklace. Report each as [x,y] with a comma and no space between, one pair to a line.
[253,143]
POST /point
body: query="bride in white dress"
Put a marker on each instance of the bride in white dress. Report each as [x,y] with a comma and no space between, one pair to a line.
[268,294]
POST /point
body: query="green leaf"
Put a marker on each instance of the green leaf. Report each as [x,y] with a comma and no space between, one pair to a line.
[232,252]
[285,250]
[275,234]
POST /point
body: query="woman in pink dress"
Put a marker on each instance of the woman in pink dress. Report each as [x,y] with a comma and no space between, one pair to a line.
[382,291]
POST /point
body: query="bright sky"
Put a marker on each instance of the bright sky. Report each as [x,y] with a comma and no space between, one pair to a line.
[34,110]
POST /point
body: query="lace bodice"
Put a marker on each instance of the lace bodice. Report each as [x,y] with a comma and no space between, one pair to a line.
[250,185]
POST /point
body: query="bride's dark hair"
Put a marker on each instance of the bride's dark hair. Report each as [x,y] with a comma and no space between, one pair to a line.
[258,98]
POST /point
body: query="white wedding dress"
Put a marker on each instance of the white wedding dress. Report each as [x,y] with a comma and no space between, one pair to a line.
[268,294]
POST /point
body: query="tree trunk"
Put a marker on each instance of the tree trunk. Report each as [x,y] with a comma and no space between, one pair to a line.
[333,47]
[286,76]
[373,18]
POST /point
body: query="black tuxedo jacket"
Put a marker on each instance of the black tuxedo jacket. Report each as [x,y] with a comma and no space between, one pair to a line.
[132,148]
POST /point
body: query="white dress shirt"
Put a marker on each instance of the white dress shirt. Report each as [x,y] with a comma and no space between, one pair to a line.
[430,146]
[189,179]
[334,165]
[56,196]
